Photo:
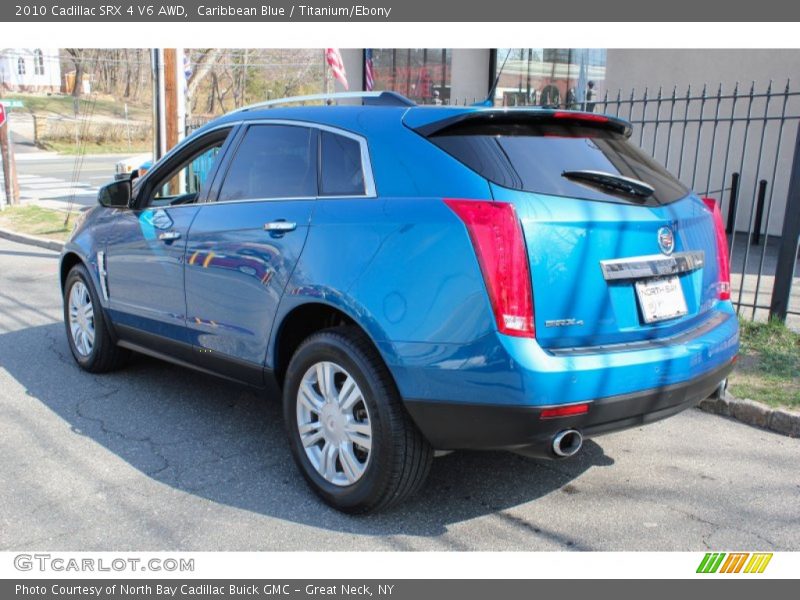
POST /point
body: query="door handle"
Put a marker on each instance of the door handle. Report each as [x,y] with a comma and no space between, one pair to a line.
[280,226]
[169,236]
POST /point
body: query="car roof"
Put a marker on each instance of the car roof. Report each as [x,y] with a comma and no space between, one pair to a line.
[351,117]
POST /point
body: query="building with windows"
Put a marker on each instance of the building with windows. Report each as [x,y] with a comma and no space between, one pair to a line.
[511,76]
[30,70]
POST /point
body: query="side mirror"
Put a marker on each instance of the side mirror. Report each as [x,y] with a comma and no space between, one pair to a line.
[116,194]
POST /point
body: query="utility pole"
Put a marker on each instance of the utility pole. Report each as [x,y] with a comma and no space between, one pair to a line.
[169,99]
[181,91]
[159,110]
[171,96]
[326,74]
[9,164]
[174,105]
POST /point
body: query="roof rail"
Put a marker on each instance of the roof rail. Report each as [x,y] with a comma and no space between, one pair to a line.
[384,98]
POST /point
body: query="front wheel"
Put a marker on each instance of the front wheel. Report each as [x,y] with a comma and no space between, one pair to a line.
[89,338]
[348,430]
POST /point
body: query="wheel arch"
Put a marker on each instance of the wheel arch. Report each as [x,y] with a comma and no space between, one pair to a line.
[304,320]
[68,261]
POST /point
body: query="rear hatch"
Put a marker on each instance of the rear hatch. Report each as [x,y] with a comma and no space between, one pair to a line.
[619,250]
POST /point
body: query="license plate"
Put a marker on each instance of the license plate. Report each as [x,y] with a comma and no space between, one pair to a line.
[661,299]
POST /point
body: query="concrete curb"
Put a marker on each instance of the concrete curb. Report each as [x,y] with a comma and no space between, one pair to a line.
[754,413]
[32,240]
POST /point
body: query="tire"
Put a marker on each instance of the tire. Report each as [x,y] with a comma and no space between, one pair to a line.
[100,354]
[398,458]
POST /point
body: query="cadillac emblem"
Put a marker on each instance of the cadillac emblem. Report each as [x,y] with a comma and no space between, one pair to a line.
[666,240]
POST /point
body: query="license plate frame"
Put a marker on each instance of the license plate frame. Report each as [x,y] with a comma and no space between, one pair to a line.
[661,298]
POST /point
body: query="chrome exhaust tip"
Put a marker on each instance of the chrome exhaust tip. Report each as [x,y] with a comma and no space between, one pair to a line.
[719,391]
[567,443]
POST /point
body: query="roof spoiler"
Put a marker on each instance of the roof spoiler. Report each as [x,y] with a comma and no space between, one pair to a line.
[517,116]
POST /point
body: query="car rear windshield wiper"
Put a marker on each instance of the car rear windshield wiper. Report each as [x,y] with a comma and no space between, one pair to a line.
[618,183]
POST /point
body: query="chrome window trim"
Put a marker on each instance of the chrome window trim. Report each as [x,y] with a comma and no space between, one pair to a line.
[652,265]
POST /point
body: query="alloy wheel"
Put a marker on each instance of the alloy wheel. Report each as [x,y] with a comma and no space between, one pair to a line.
[334,423]
[81,318]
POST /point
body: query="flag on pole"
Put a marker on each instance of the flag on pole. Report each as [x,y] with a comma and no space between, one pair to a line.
[334,59]
[369,70]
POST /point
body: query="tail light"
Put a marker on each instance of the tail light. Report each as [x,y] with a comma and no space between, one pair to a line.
[497,238]
[723,266]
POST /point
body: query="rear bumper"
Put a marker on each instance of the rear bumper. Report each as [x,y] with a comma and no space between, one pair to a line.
[461,426]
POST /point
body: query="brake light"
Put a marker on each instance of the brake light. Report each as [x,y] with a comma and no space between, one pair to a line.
[564,411]
[580,116]
[496,235]
[723,266]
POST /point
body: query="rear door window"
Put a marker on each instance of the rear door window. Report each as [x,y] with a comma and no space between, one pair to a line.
[533,158]
[272,161]
[342,172]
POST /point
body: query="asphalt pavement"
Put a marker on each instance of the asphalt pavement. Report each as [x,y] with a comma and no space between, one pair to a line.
[56,181]
[156,457]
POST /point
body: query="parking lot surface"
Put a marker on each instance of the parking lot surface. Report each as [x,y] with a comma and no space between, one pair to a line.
[157,457]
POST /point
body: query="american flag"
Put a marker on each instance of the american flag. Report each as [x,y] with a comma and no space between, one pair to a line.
[369,70]
[337,66]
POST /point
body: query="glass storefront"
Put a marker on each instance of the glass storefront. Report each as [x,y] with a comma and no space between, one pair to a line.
[560,77]
[421,74]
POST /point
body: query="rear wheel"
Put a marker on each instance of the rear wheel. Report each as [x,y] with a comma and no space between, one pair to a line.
[348,430]
[89,339]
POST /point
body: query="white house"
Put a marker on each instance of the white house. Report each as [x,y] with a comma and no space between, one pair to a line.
[30,70]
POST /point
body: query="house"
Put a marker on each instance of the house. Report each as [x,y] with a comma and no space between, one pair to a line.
[30,70]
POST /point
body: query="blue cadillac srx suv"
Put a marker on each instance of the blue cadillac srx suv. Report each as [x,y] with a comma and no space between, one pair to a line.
[412,279]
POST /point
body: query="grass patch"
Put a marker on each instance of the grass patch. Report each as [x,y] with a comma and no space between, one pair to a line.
[35,220]
[64,106]
[769,365]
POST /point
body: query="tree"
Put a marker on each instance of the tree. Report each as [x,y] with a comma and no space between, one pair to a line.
[203,66]
[79,58]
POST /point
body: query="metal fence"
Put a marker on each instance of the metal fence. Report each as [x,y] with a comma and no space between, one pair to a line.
[742,147]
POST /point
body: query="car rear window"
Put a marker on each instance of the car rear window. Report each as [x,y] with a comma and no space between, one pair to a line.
[533,157]
[342,173]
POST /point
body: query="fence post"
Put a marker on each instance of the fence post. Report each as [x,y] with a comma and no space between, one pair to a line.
[790,235]
[733,198]
[762,196]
